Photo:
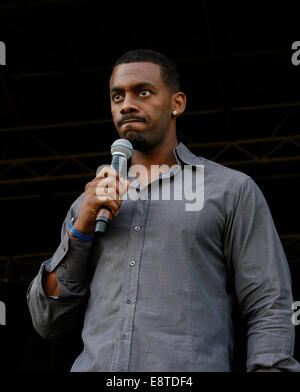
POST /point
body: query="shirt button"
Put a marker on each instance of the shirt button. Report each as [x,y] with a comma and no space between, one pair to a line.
[63,266]
[137,228]
[132,263]
[128,300]
[123,336]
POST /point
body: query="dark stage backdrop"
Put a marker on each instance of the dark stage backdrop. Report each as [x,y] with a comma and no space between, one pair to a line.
[241,76]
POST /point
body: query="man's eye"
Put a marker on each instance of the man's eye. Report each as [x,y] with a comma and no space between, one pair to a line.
[116,97]
[145,93]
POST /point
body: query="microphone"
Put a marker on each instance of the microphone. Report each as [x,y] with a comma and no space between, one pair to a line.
[121,151]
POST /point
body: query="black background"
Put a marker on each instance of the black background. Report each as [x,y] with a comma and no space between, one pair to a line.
[55,125]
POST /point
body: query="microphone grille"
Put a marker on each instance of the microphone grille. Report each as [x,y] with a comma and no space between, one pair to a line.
[122,146]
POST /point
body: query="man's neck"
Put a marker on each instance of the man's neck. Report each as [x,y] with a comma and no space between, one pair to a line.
[159,155]
[155,162]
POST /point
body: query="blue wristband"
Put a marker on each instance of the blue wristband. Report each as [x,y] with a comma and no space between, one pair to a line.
[78,234]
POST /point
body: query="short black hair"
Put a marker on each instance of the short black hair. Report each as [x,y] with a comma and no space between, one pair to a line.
[168,69]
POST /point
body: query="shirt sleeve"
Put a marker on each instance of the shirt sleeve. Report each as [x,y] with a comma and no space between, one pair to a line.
[262,281]
[53,316]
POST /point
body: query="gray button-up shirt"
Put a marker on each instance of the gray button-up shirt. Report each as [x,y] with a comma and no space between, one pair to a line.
[160,284]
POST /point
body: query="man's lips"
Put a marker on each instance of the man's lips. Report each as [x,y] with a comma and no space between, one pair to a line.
[130,119]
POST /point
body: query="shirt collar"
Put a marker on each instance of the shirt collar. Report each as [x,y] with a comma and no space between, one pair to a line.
[184,156]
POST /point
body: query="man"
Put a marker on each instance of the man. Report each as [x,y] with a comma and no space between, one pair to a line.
[160,285]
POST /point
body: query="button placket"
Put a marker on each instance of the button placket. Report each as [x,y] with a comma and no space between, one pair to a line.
[121,356]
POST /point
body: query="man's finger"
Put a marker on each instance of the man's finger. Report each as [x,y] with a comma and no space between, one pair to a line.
[108,171]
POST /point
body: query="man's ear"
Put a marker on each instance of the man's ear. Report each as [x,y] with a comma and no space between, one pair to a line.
[178,102]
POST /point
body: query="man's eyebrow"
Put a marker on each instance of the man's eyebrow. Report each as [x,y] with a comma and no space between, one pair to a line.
[134,87]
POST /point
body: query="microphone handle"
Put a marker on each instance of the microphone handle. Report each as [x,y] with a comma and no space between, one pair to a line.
[104,217]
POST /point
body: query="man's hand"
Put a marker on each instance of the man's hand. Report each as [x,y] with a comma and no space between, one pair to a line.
[105,190]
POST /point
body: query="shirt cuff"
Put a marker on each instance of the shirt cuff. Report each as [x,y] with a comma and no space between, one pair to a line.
[276,362]
[70,259]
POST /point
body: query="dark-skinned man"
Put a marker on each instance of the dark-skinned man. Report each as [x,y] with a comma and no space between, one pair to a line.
[160,285]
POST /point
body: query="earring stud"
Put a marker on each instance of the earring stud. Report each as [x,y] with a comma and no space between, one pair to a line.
[174,113]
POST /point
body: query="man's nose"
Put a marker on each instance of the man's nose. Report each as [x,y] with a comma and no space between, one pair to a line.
[129,105]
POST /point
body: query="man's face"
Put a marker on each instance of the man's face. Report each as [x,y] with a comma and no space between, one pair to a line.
[140,104]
